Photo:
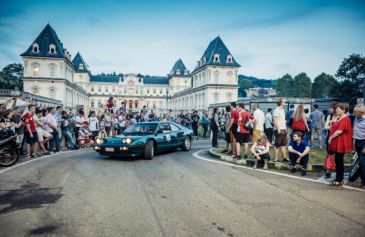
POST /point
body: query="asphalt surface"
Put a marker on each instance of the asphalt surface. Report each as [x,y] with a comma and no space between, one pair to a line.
[83,194]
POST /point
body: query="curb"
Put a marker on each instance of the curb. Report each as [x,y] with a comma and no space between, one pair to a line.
[272,165]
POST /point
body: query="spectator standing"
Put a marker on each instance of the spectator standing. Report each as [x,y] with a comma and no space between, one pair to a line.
[288,116]
[243,135]
[317,120]
[19,130]
[340,141]
[269,129]
[205,123]
[195,123]
[227,136]
[359,139]
[233,128]
[79,122]
[107,122]
[214,127]
[43,135]
[94,125]
[307,134]
[281,137]
[115,124]
[258,122]
[299,121]
[51,125]
[66,131]
[298,152]
[110,105]
[30,132]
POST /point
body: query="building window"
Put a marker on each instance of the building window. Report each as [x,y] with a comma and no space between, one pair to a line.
[178,71]
[161,91]
[186,72]
[92,89]
[136,91]
[92,104]
[52,93]
[148,91]
[154,91]
[52,71]
[35,48]
[35,71]
[99,89]
[229,59]
[52,49]
[216,58]
[81,66]
[125,90]
[113,89]
[216,76]
[106,90]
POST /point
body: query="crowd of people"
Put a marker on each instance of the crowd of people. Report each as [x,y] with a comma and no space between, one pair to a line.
[41,131]
[292,134]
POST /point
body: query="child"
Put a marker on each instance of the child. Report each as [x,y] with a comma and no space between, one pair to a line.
[260,150]
[85,135]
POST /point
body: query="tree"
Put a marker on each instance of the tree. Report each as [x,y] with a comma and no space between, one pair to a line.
[323,85]
[11,77]
[349,86]
[284,85]
[302,86]
[245,84]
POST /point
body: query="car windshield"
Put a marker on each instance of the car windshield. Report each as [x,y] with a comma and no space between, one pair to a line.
[141,128]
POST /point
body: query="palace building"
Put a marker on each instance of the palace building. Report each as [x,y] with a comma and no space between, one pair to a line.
[49,71]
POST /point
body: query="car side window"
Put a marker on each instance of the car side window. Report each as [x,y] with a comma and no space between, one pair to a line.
[164,127]
[174,128]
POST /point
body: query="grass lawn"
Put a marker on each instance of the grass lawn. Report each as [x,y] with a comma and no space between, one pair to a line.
[316,155]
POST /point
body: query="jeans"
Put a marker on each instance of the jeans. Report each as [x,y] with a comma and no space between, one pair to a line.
[70,140]
[205,129]
[359,146]
[215,137]
[294,157]
[56,140]
[269,132]
[195,129]
[340,167]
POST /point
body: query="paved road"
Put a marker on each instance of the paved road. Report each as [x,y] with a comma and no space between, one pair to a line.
[175,194]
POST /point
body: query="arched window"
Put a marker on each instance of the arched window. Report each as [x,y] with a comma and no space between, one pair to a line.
[36,69]
[229,59]
[186,72]
[35,48]
[216,76]
[81,66]
[52,70]
[178,71]
[52,49]
[216,58]
[36,90]
[230,77]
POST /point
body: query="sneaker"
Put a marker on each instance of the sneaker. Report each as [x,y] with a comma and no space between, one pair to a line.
[285,160]
[327,176]
[303,173]
[238,157]
[245,157]
[293,170]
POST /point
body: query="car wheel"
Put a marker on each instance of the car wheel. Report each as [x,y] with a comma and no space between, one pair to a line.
[149,150]
[355,170]
[187,144]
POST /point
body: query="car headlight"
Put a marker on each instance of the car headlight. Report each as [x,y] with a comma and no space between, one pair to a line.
[99,140]
[127,140]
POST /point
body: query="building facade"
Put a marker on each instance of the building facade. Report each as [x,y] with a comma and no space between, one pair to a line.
[49,71]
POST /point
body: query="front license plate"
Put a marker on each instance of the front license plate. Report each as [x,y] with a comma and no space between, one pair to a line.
[109,149]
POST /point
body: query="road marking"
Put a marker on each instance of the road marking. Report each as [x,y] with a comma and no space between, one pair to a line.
[30,161]
[196,155]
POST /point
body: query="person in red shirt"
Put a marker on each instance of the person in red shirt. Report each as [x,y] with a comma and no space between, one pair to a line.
[110,105]
[31,136]
[340,141]
[243,134]
[232,127]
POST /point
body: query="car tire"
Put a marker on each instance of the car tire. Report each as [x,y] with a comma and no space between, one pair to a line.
[187,144]
[149,150]
[355,170]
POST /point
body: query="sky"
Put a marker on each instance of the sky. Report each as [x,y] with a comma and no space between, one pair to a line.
[268,38]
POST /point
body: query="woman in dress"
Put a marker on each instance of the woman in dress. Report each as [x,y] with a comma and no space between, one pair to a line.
[340,141]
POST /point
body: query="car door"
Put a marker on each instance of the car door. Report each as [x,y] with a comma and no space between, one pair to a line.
[178,135]
[164,137]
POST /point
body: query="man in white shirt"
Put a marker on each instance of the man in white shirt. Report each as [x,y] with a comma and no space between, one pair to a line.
[281,138]
[94,125]
[79,121]
[258,122]
[51,125]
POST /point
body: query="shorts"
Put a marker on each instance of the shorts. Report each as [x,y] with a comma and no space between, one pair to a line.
[227,137]
[19,138]
[315,129]
[31,140]
[234,131]
[42,134]
[243,138]
[281,139]
[265,156]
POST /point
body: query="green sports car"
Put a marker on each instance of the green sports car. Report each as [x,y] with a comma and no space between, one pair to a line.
[146,139]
